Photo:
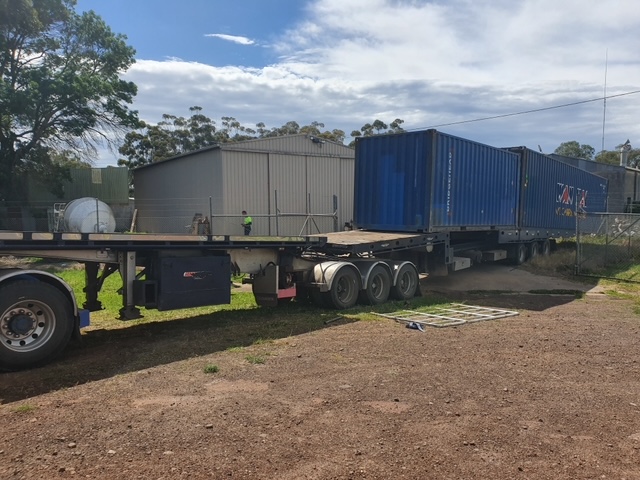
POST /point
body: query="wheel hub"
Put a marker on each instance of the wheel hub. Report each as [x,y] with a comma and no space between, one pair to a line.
[22,325]
[19,324]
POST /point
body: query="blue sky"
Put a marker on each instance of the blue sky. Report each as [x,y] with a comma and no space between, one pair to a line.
[349,62]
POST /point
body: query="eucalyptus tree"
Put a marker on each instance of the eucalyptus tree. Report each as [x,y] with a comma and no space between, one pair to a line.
[576,150]
[60,87]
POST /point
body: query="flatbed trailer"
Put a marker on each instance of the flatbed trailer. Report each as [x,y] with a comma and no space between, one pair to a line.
[39,313]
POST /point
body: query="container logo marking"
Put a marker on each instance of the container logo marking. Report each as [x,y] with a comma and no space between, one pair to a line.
[566,195]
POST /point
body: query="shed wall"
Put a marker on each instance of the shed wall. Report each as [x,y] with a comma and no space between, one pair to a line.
[168,195]
[261,181]
[323,188]
[245,187]
[287,176]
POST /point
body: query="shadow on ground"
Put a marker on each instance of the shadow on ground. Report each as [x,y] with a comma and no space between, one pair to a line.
[106,353]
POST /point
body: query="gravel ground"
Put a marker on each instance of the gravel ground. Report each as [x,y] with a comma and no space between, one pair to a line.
[553,393]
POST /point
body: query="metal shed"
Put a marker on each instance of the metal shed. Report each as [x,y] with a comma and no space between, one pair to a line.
[290,185]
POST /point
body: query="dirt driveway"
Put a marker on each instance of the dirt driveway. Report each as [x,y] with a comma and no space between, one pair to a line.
[553,393]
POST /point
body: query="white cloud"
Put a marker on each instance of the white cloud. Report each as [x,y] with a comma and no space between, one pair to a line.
[232,38]
[352,61]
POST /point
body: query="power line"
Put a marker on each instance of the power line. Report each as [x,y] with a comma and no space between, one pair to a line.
[530,111]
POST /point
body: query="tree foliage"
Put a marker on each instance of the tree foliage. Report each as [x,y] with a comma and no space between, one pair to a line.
[612,157]
[576,150]
[587,152]
[176,135]
[378,127]
[60,87]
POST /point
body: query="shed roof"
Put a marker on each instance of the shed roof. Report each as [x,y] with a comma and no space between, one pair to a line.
[297,144]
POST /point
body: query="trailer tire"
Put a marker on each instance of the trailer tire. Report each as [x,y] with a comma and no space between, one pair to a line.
[378,287]
[406,283]
[344,289]
[36,323]
[534,250]
[546,248]
[521,254]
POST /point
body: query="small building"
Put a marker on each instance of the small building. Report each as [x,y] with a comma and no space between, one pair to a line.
[624,182]
[38,211]
[289,185]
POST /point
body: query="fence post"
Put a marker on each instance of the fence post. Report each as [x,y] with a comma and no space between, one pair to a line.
[576,267]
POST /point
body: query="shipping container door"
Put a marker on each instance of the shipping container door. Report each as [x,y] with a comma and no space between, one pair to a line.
[391,182]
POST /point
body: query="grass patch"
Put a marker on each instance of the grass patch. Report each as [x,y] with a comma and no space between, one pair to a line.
[255,359]
[211,368]
[559,263]
[24,408]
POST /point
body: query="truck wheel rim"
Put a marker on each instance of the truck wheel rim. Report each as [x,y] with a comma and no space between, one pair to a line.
[345,289]
[377,286]
[26,325]
[405,282]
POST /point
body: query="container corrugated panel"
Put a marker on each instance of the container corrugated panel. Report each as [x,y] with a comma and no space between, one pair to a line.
[431,181]
[554,191]
[621,180]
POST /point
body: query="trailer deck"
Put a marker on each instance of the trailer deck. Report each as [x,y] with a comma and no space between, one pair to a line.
[363,241]
[14,243]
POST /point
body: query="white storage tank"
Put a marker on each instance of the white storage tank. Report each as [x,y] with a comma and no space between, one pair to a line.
[89,215]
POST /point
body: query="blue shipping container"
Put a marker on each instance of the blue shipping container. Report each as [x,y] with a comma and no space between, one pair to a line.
[554,191]
[430,181]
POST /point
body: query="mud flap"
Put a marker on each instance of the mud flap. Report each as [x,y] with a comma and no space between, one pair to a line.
[265,287]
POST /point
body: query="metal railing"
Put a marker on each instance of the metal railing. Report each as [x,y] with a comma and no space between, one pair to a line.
[608,246]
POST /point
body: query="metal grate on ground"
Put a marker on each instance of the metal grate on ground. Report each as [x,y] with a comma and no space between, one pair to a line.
[455,314]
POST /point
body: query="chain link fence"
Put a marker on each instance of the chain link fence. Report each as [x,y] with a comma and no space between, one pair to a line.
[608,246]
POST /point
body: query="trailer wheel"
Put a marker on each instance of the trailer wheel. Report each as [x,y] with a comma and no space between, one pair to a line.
[546,248]
[344,289]
[377,288]
[534,250]
[406,284]
[36,323]
[521,254]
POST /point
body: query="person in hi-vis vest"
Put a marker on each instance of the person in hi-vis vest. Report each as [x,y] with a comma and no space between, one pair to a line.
[246,223]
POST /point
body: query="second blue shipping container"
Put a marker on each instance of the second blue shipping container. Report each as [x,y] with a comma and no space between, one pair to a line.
[554,192]
[429,181]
